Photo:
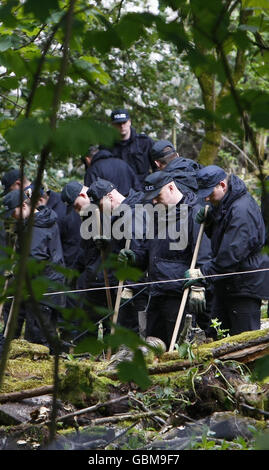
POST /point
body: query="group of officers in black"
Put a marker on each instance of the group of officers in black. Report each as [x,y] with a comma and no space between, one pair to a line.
[230,276]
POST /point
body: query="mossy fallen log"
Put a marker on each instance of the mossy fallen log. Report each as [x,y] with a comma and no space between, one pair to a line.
[85,382]
[248,345]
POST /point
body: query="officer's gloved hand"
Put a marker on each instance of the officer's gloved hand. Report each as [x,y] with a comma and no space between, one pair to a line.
[101,242]
[8,274]
[197,302]
[126,294]
[194,276]
[201,216]
[126,256]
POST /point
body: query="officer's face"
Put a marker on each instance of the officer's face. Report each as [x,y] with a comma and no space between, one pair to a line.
[124,129]
[217,194]
[81,202]
[169,194]
[23,212]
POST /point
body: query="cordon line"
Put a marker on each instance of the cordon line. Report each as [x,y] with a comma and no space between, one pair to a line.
[140,284]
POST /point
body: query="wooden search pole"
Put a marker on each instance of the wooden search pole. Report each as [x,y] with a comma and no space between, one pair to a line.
[119,291]
[186,291]
[108,293]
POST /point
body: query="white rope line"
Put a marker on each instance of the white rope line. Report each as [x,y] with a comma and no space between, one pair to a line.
[140,284]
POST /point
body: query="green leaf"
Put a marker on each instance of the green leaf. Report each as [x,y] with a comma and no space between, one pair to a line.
[14,63]
[173,32]
[124,336]
[90,345]
[76,135]
[40,10]
[128,272]
[135,371]
[6,15]
[5,43]
[183,350]
[9,83]
[28,136]
[261,119]
[131,28]
[103,41]
[39,286]
[255,4]
[89,68]
[261,369]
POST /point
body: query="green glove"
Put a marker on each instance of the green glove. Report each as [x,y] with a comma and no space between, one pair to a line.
[200,216]
[102,242]
[194,276]
[126,256]
[197,302]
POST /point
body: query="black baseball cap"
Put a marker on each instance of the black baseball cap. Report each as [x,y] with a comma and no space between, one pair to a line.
[28,190]
[207,178]
[70,192]
[99,188]
[119,115]
[157,150]
[13,200]
[9,178]
[154,182]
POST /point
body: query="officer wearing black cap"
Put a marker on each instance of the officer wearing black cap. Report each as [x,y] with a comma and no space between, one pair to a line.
[265,214]
[133,148]
[110,201]
[101,163]
[45,246]
[165,157]
[165,261]
[88,262]
[236,228]
[68,224]
[12,180]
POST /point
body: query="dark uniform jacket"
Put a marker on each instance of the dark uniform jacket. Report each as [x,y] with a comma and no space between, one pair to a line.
[69,225]
[46,246]
[105,165]
[265,209]
[184,173]
[237,235]
[136,152]
[164,263]
[89,261]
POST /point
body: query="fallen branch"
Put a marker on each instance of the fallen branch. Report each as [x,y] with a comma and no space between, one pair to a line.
[21,395]
[234,345]
[258,410]
[91,408]
[123,417]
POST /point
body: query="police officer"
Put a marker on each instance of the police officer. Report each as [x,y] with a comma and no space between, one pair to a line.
[184,170]
[100,163]
[133,148]
[237,233]
[167,254]
[265,214]
[12,180]
[69,223]
[165,157]
[111,201]
[88,262]
[45,246]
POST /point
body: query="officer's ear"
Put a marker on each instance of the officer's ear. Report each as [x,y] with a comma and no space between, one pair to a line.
[224,184]
[110,196]
[172,186]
